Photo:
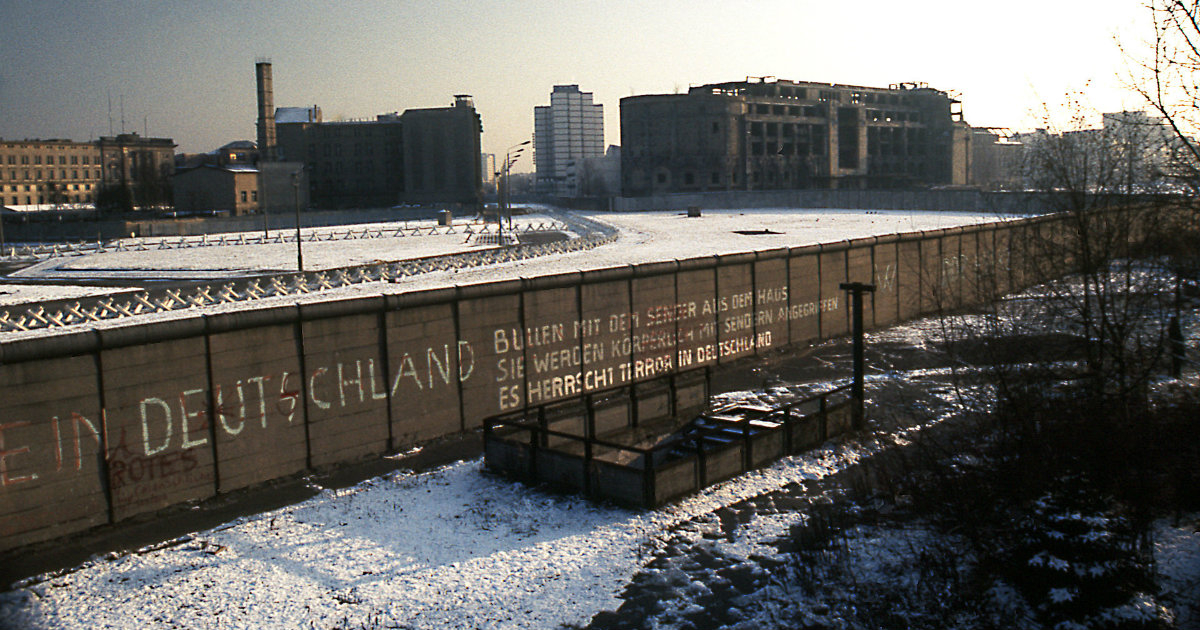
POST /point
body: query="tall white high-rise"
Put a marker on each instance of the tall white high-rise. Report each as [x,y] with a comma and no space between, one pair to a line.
[565,132]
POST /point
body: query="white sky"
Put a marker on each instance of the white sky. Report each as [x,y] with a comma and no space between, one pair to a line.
[186,69]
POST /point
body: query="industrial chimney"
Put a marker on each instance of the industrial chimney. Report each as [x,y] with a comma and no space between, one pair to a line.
[266,111]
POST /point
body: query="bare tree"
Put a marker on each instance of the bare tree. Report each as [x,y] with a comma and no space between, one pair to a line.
[1167,76]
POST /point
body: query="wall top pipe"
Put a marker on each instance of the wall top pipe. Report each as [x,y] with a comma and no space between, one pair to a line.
[138,334]
[887,238]
[238,320]
[336,308]
[735,259]
[569,278]
[608,274]
[865,241]
[81,342]
[655,268]
[768,254]
[700,262]
[834,247]
[488,289]
[397,301]
[803,250]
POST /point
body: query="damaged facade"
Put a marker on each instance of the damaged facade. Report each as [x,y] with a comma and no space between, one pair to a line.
[768,134]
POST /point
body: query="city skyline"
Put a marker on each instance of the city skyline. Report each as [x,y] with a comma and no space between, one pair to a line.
[186,70]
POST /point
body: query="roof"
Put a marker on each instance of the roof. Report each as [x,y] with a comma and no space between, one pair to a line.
[286,115]
[230,168]
[240,144]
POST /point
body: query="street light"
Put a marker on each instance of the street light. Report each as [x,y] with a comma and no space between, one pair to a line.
[299,246]
[263,206]
[504,210]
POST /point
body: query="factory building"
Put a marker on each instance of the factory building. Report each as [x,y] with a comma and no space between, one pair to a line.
[768,134]
[427,155]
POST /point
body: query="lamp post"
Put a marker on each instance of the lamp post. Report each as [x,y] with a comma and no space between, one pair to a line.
[299,246]
[503,209]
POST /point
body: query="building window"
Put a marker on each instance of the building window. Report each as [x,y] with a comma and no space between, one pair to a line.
[39,173]
[74,159]
[62,159]
[254,196]
[243,196]
[74,174]
[24,159]
[37,159]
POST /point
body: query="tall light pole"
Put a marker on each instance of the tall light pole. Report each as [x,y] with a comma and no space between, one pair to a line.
[299,246]
[263,207]
[504,210]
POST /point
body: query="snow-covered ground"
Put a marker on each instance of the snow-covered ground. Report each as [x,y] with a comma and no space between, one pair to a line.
[456,548]
[644,237]
[450,548]
[11,293]
[323,248]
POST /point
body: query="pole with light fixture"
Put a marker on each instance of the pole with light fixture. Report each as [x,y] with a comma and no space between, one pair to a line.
[505,210]
[299,246]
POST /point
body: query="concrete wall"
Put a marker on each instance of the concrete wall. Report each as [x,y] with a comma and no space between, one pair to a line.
[96,427]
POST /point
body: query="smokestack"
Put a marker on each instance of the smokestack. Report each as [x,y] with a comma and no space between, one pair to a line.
[266,111]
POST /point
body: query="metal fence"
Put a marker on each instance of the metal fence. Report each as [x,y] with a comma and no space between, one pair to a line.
[66,313]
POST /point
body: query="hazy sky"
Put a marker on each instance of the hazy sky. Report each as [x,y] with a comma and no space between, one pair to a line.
[186,69]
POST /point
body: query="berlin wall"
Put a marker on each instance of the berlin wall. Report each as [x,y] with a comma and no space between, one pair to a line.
[100,426]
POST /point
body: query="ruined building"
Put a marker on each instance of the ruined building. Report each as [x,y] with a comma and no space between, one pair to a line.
[768,134]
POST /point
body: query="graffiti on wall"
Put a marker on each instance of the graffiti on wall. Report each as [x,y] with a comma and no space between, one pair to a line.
[152,447]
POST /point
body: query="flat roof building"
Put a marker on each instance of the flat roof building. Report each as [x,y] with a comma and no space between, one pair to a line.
[764,133]
[419,156]
[126,171]
[567,131]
